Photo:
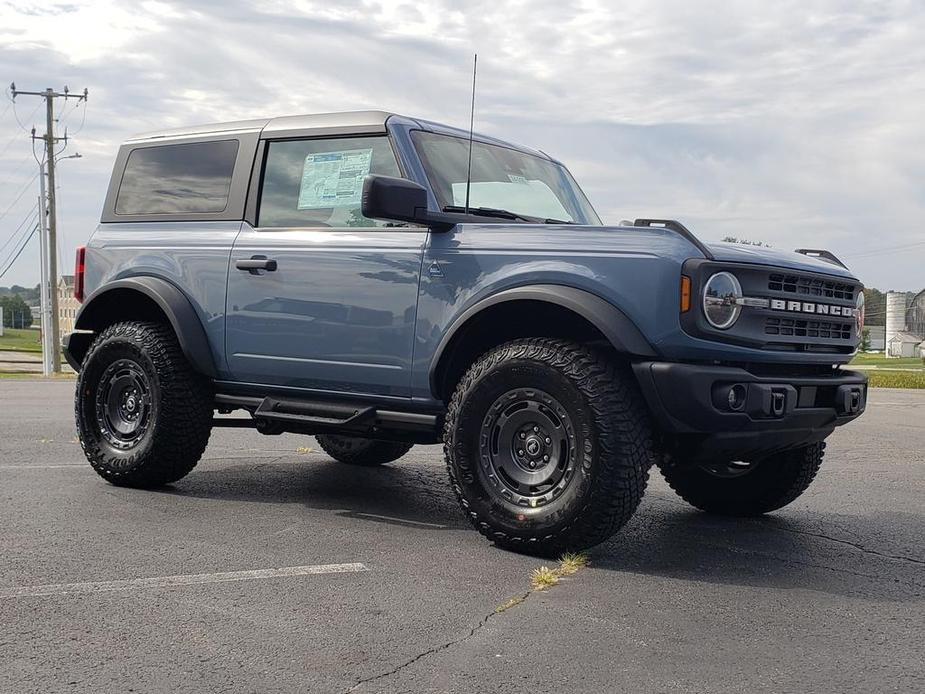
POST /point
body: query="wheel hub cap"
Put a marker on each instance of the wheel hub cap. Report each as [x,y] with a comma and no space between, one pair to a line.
[527,447]
[123,403]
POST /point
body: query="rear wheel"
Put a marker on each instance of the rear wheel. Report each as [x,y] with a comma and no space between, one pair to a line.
[745,488]
[548,445]
[354,450]
[143,415]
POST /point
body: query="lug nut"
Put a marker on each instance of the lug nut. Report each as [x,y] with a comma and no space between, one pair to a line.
[520,452]
[532,464]
[536,430]
[545,458]
[523,435]
[548,440]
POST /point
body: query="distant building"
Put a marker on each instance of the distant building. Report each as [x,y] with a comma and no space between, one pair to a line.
[905,323]
[67,304]
[903,344]
[915,315]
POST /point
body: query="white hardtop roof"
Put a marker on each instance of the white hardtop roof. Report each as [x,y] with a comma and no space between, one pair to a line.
[368,121]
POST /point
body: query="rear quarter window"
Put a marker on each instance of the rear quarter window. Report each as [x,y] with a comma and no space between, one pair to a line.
[184,178]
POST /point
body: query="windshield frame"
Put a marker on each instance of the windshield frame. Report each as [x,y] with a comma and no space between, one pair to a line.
[582,212]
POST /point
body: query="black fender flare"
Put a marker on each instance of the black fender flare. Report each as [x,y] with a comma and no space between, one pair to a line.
[172,302]
[613,323]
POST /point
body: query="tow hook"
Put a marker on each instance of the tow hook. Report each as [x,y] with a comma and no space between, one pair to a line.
[849,400]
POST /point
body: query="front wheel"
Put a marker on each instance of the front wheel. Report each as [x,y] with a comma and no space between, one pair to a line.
[143,415]
[548,445]
[745,488]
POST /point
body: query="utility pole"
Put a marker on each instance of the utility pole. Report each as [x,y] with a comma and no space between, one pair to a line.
[50,141]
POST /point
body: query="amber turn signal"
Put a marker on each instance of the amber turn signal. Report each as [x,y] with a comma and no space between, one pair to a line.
[685,294]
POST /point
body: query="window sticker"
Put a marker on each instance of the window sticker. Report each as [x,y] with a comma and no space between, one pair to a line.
[334,179]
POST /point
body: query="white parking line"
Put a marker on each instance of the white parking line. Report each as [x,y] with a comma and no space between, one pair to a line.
[398,520]
[172,581]
[43,467]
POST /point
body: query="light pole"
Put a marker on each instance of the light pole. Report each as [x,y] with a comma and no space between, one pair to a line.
[49,283]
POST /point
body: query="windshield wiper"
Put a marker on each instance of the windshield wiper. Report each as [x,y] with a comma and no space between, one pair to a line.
[491,212]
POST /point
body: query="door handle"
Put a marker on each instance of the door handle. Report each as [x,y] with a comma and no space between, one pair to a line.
[256,263]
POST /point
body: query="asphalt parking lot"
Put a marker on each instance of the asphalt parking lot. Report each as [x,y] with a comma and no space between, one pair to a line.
[272,568]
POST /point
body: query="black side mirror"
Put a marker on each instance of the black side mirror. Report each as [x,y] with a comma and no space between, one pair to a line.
[385,197]
[398,199]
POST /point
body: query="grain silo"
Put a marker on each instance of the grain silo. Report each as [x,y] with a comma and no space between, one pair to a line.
[895,315]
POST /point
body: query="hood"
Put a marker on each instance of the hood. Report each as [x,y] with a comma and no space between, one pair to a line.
[762,255]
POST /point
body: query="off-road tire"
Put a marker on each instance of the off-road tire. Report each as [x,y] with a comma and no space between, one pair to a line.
[612,449]
[180,407]
[355,450]
[773,483]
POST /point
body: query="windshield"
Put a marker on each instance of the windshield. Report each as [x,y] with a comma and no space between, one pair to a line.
[503,179]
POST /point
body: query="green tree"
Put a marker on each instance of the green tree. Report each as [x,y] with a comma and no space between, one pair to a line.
[16,313]
[874,306]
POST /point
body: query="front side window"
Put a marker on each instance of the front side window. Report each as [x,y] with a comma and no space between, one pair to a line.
[319,183]
[502,179]
[178,179]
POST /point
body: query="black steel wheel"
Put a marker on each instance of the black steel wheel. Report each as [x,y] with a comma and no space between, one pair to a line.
[123,403]
[143,414]
[527,447]
[745,488]
[548,445]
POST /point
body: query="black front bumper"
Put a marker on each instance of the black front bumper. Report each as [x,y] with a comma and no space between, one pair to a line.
[692,408]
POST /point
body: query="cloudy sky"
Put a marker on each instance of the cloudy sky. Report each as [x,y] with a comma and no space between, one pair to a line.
[793,123]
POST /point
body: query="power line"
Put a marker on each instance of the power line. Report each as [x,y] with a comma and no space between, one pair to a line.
[29,117]
[29,215]
[19,252]
[885,250]
[15,169]
[21,193]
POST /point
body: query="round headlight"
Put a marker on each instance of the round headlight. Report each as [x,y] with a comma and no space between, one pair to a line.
[720,300]
[859,312]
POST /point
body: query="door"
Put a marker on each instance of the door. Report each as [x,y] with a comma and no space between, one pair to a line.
[319,296]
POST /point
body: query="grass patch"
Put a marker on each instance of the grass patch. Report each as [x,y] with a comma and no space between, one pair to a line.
[543,577]
[20,340]
[36,377]
[896,379]
[513,602]
[878,359]
[572,562]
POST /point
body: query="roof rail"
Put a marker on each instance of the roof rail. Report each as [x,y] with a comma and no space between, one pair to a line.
[678,228]
[821,254]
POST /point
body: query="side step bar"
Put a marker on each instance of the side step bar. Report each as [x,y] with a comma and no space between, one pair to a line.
[309,416]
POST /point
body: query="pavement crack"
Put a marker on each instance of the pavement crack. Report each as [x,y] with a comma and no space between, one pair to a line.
[855,545]
[568,565]
[435,649]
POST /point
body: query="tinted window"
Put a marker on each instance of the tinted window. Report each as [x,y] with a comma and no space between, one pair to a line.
[318,183]
[177,179]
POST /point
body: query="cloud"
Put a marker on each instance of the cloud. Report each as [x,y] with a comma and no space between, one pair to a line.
[793,123]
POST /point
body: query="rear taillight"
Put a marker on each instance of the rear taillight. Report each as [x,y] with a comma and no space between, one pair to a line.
[79,273]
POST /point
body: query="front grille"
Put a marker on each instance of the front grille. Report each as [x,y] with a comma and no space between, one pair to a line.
[811,286]
[796,327]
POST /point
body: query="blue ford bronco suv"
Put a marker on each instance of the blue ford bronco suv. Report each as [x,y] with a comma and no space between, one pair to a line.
[368,279]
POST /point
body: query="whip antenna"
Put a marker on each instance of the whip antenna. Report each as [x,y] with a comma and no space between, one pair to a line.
[475,63]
